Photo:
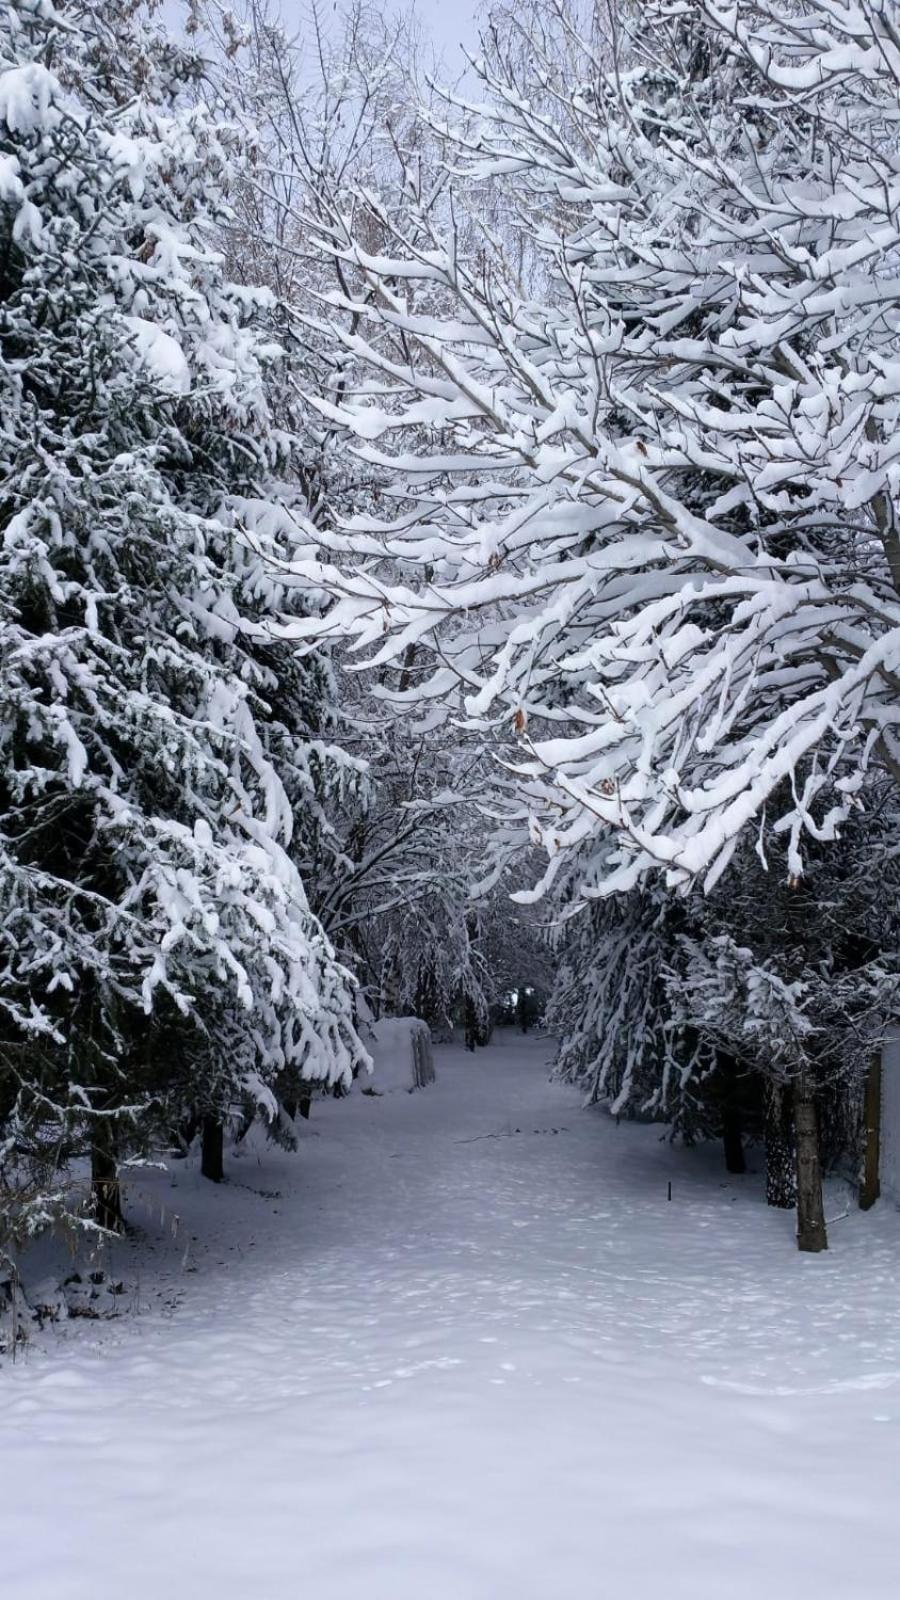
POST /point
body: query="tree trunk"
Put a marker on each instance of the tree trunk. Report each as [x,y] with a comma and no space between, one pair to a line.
[471,1025]
[298,1108]
[184,1135]
[732,1139]
[781,1187]
[870,1188]
[811,1234]
[212,1150]
[106,1193]
[732,1121]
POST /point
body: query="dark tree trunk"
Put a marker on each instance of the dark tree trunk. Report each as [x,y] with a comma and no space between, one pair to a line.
[732,1119]
[305,1106]
[106,1193]
[781,1185]
[811,1234]
[471,1025]
[870,1188]
[212,1150]
[184,1135]
[733,1139]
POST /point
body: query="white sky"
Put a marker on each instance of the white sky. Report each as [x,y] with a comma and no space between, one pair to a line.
[451,24]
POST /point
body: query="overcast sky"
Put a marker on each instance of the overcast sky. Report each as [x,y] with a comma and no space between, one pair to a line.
[451,24]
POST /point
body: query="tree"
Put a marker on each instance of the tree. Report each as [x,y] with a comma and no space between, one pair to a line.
[647,512]
[757,1004]
[158,947]
[641,503]
[795,980]
[611,1008]
[391,878]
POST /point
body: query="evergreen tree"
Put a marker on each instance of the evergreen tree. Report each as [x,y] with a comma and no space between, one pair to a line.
[157,945]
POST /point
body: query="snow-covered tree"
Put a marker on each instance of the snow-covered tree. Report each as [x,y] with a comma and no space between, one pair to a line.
[620,1039]
[649,514]
[398,906]
[639,504]
[794,980]
[756,1007]
[394,893]
[155,744]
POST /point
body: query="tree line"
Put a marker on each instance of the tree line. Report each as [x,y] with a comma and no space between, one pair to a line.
[447,534]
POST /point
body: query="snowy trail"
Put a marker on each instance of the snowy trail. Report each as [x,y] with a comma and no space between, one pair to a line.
[463,1348]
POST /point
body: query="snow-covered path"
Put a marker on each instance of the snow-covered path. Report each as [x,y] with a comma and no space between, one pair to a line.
[463,1347]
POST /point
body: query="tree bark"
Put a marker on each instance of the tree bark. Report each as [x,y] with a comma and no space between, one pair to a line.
[811,1234]
[305,1106]
[212,1150]
[106,1192]
[781,1186]
[184,1135]
[471,1022]
[870,1188]
[732,1139]
[732,1121]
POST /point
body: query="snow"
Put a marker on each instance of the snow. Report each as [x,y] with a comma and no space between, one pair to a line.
[463,1347]
[27,93]
[401,1053]
[160,355]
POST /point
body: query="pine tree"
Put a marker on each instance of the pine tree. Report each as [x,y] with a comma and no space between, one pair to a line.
[157,945]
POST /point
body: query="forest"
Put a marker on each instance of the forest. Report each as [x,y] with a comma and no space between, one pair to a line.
[449,799]
[450,544]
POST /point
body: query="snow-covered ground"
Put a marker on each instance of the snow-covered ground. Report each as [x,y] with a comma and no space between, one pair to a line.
[463,1347]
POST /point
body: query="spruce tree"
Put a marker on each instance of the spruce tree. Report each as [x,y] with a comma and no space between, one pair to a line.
[156,943]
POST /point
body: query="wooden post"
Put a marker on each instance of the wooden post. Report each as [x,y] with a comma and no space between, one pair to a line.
[870,1188]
